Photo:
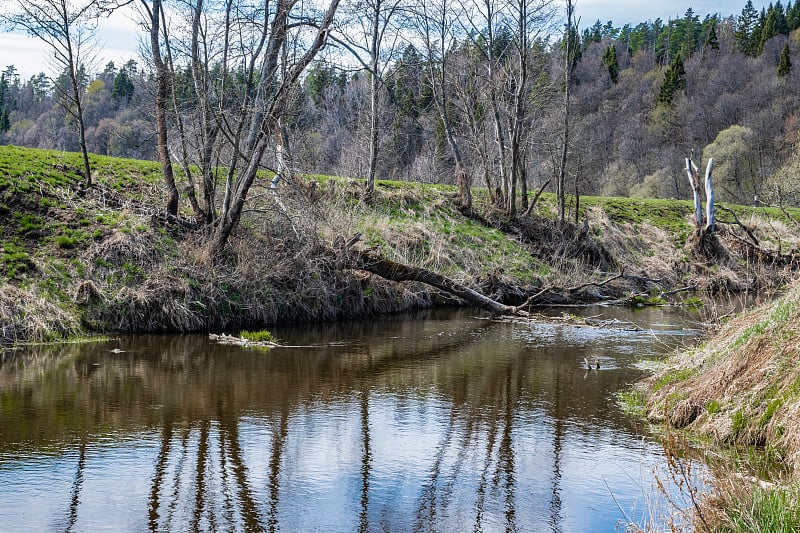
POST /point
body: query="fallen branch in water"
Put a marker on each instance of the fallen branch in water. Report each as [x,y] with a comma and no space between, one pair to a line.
[230,340]
[677,291]
[393,271]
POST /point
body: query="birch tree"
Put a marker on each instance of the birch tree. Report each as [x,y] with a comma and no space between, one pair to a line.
[274,69]
[371,35]
[66,27]
[436,25]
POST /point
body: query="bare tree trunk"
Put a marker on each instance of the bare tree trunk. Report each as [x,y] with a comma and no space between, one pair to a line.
[399,272]
[273,94]
[694,183]
[184,159]
[373,103]
[436,34]
[711,220]
[562,173]
[77,99]
[162,101]
[87,171]
[209,128]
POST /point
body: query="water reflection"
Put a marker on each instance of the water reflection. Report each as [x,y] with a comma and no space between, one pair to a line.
[446,422]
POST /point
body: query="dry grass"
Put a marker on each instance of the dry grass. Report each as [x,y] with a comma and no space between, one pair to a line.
[25,316]
[740,393]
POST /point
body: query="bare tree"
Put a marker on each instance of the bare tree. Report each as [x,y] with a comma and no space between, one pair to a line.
[271,69]
[530,18]
[435,23]
[66,28]
[153,11]
[484,19]
[569,53]
[370,24]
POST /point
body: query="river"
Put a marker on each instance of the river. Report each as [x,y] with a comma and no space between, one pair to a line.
[443,421]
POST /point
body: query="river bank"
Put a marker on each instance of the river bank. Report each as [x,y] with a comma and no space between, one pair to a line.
[737,399]
[76,261]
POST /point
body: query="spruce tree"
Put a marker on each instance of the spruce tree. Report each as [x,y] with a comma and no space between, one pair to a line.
[712,41]
[745,25]
[769,30]
[609,60]
[785,63]
[674,81]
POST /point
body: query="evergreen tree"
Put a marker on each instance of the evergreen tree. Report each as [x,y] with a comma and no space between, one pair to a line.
[792,16]
[769,30]
[785,63]
[123,87]
[745,25]
[781,24]
[609,60]
[712,41]
[754,48]
[674,81]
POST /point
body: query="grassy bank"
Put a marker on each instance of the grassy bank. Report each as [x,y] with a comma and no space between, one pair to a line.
[738,398]
[75,260]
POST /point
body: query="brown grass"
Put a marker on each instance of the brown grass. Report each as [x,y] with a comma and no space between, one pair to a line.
[26,316]
[743,385]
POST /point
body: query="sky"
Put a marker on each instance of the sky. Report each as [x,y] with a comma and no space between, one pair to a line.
[119,36]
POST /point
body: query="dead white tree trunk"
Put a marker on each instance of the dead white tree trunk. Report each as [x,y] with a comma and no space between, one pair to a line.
[694,183]
[710,213]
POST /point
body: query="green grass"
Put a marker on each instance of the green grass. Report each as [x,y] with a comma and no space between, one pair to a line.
[258,336]
[673,376]
[633,401]
[713,407]
[773,510]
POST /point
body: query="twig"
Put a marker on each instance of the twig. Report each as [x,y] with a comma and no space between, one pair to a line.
[676,291]
[551,288]
[736,219]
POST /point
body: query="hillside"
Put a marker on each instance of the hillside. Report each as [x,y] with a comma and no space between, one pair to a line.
[75,260]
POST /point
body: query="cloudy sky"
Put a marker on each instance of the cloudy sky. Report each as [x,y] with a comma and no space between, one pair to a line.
[119,37]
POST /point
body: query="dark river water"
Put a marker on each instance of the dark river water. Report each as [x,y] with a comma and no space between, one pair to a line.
[444,421]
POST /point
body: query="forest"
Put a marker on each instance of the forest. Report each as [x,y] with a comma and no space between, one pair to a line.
[488,93]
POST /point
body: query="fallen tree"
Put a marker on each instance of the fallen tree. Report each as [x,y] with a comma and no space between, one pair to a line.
[393,271]
[351,258]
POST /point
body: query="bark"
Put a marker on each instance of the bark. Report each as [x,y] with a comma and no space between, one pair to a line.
[711,220]
[162,101]
[399,272]
[694,183]
[373,103]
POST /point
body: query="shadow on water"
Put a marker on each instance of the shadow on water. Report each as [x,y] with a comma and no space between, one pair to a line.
[439,422]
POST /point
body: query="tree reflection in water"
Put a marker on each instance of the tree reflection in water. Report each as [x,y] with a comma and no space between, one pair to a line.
[426,425]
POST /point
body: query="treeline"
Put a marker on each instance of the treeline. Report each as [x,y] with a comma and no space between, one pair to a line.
[470,93]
